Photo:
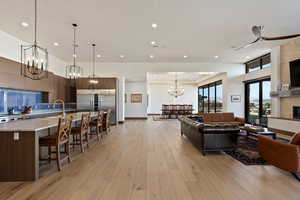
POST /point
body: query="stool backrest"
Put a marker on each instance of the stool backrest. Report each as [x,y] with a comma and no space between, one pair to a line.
[64,130]
[84,124]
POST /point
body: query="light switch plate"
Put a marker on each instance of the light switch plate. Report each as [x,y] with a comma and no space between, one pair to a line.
[16,136]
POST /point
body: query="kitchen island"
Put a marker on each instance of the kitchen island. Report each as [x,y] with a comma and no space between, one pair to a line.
[19,146]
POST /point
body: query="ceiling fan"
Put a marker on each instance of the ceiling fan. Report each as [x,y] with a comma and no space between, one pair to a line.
[257,31]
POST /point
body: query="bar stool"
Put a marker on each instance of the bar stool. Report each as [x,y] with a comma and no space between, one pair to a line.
[81,134]
[98,125]
[61,137]
[106,120]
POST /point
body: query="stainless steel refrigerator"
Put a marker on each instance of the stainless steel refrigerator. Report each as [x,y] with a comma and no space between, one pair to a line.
[99,99]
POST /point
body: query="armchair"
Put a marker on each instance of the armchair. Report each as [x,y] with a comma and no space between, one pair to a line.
[285,156]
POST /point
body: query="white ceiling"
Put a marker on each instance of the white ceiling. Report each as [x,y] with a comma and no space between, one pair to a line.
[182,77]
[200,29]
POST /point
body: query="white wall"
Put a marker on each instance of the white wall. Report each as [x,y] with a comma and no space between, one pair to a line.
[158,95]
[10,48]
[136,110]
[121,102]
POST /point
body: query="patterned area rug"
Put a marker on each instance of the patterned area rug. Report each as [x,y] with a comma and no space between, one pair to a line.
[247,152]
[160,118]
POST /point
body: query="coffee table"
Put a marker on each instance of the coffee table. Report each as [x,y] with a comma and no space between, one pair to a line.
[257,130]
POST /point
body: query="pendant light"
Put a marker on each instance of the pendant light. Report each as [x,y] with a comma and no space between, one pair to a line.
[34,59]
[74,71]
[93,80]
[176,90]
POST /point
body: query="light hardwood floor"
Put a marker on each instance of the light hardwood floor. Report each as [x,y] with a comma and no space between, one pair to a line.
[143,159]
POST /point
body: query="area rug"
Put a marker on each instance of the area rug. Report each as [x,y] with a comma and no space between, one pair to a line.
[160,118]
[247,151]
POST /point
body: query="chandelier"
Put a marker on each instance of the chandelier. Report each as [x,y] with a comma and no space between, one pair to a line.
[176,90]
[93,80]
[34,59]
[74,71]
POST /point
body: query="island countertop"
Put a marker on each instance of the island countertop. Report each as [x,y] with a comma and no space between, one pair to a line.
[32,125]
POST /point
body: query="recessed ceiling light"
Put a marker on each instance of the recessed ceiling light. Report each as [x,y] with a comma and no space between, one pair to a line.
[24,24]
[185,56]
[216,57]
[154,25]
[151,56]
[153,43]
[98,56]
[55,44]
[122,56]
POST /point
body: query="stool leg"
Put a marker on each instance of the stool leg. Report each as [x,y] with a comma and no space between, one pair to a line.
[49,154]
[58,158]
[98,133]
[87,139]
[68,151]
[81,143]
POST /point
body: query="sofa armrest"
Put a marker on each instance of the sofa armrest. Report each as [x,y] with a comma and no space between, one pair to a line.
[282,155]
[241,120]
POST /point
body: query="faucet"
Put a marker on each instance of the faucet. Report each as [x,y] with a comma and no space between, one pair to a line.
[63,106]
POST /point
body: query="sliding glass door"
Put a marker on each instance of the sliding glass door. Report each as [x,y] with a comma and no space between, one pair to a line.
[258,102]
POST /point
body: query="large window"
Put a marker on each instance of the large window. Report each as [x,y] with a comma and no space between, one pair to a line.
[258,63]
[258,102]
[210,97]
[17,99]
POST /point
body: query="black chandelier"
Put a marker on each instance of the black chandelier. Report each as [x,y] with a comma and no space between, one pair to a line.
[93,80]
[74,71]
[34,59]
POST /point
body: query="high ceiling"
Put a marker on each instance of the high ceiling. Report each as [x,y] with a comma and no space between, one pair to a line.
[182,77]
[200,29]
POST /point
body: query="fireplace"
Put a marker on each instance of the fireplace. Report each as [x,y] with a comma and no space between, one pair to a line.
[296,112]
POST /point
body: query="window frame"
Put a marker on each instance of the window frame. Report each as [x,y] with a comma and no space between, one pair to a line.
[260,59]
[247,98]
[207,86]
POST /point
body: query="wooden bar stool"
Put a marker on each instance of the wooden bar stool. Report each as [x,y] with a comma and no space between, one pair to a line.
[106,120]
[97,124]
[81,134]
[61,137]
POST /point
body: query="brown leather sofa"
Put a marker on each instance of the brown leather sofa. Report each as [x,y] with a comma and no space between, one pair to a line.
[210,136]
[221,118]
[285,156]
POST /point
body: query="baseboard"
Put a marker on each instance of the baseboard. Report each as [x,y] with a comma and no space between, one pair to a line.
[153,114]
[135,118]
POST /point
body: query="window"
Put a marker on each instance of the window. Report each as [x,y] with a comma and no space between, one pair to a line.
[1,101]
[219,98]
[200,99]
[205,99]
[17,99]
[210,97]
[258,102]
[258,63]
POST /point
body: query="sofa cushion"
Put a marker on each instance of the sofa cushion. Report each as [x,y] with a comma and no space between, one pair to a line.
[220,128]
[218,117]
[295,139]
[227,123]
